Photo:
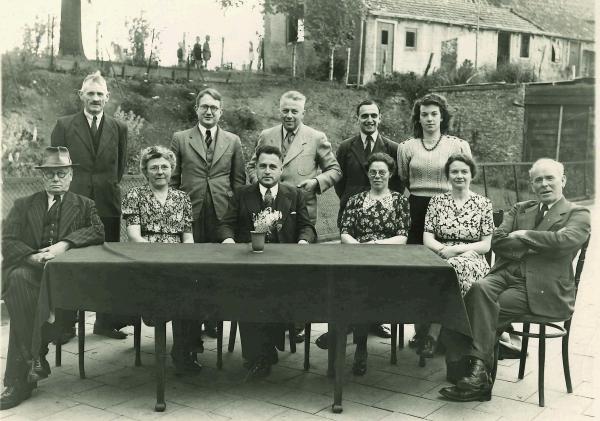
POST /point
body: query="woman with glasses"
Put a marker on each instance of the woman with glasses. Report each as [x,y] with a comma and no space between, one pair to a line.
[156,213]
[376,216]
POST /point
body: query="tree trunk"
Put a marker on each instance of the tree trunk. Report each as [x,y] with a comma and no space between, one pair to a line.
[70,29]
[294,60]
[331,57]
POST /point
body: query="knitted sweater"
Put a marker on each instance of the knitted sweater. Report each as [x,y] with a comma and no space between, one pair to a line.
[422,171]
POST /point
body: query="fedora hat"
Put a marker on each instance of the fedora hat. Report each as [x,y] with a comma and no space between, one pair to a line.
[56,157]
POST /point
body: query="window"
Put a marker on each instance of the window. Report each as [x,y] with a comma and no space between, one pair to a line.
[384,37]
[525,40]
[295,26]
[555,56]
[411,39]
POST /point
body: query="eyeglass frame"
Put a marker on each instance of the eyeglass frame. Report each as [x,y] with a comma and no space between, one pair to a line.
[49,174]
[204,108]
[375,173]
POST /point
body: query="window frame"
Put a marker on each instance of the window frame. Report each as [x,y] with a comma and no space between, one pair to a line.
[415,39]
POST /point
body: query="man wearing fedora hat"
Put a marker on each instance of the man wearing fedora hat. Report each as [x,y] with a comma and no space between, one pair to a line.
[39,228]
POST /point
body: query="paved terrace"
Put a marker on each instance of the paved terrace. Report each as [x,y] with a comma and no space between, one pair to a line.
[117,390]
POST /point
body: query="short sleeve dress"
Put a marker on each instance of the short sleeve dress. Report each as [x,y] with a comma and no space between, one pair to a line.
[159,223]
[367,219]
[452,225]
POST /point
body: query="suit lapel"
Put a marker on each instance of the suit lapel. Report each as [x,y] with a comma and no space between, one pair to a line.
[197,143]
[36,215]
[296,146]
[82,129]
[379,145]
[68,210]
[527,218]
[283,202]
[253,201]
[358,150]
[107,136]
[221,145]
[554,215]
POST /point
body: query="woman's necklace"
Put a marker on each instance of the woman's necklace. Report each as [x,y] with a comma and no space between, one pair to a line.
[434,146]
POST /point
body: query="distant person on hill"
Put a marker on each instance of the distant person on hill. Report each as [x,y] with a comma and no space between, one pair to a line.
[197,54]
[250,56]
[206,51]
[180,55]
[260,49]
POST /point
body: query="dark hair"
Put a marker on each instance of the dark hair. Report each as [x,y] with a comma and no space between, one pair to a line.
[209,91]
[367,102]
[269,150]
[382,157]
[430,99]
[462,158]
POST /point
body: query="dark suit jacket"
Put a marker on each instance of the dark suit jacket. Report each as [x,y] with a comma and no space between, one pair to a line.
[545,254]
[97,175]
[193,175]
[22,230]
[352,159]
[296,224]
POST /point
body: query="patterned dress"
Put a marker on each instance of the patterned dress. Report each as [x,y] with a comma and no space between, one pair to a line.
[159,223]
[452,225]
[369,219]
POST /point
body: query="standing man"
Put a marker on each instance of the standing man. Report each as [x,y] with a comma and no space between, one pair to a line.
[39,228]
[206,51]
[98,145]
[197,54]
[533,274]
[210,167]
[260,340]
[305,151]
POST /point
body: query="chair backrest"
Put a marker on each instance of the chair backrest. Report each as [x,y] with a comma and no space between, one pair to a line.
[498,217]
[580,262]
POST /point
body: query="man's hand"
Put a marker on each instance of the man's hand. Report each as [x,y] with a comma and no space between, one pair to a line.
[302,242]
[518,234]
[39,258]
[228,241]
[309,185]
[56,249]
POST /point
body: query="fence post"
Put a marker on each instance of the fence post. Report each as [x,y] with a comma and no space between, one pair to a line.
[516,182]
[485,189]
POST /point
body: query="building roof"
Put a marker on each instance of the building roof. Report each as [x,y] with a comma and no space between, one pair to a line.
[456,12]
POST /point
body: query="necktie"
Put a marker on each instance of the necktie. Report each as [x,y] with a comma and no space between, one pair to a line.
[287,142]
[540,215]
[94,127]
[208,139]
[268,199]
[368,145]
[55,205]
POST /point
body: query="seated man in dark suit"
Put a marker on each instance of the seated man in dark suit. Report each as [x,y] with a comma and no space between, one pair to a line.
[260,339]
[535,247]
[38,228]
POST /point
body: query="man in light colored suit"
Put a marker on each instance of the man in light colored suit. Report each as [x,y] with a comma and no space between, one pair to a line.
[98,145]
[535,247]
[305,152]
[39,228]
[210,167]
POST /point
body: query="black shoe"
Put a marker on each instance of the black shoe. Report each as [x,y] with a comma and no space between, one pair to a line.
[506,353]
[323,341]
[359,366]
[299,336]
[259,369]
[414,342]
[460,395]
[186,365]
[109,333]
[65,337]
[456,370]
[40,369]
[14,395]
[477,378]
[427,347]
[380,330]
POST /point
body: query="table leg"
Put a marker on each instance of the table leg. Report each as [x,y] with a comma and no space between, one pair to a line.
[160,349]
[340,357]
[331,329]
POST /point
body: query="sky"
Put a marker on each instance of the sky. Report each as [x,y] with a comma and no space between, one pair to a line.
[172,18]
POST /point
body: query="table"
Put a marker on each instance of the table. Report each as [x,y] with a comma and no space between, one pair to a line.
[338,284]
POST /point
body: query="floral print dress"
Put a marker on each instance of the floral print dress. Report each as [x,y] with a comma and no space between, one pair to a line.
[367,219]
[159,223]
[452,225]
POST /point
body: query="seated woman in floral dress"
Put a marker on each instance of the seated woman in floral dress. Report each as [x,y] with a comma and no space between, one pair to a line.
[458,227]
[156,213]
[377,216]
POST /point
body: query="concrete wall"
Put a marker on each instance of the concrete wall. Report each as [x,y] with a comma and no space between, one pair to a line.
[490,117]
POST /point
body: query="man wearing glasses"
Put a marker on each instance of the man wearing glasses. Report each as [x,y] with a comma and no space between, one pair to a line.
[210,167]
[39,228]
[98,144]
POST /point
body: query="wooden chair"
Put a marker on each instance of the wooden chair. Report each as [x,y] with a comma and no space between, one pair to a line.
[137,329]
[233,333]
[557,331]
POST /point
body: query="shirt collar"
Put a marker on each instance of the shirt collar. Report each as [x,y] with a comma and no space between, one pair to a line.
[549,206]
[51,198]
[364,137]
[213,130]
[263,190]
[89,117]
[284,132]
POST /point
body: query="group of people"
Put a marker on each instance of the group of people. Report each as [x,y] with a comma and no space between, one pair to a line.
[199,55]
[197,191]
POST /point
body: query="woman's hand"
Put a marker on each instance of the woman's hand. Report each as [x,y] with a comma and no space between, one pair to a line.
[448,252]
[471,254]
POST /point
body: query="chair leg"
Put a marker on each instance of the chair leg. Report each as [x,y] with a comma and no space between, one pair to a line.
[58,332]
[401,335]
[232,335]
[524,345]
[541,363]
[495,366]
[81,342]
[292,335]
[137,341]
[565,357]
[220,344]
[393,356]
[307,329]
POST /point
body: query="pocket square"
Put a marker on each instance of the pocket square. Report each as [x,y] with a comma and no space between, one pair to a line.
[292,213]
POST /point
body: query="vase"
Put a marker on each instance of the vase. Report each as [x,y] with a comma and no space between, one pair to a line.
[258,241]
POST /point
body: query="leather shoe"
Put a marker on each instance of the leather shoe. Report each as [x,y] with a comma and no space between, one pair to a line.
[359,366]
[414,342]
[506,353]
[477,377]
[65,337]
[259,369]
[186,365]
[40,369]
[380,330]
[323,341]
[456,370]
[14,395]
[427,347]
[110,333]
[299,336]
[454,393]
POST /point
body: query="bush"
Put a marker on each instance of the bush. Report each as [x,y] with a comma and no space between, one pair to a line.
[321,70]
[510,73]
[238,119]
[459,76]
[135,139]
[22,148]
[144,87]
[409,85]
[135,105]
